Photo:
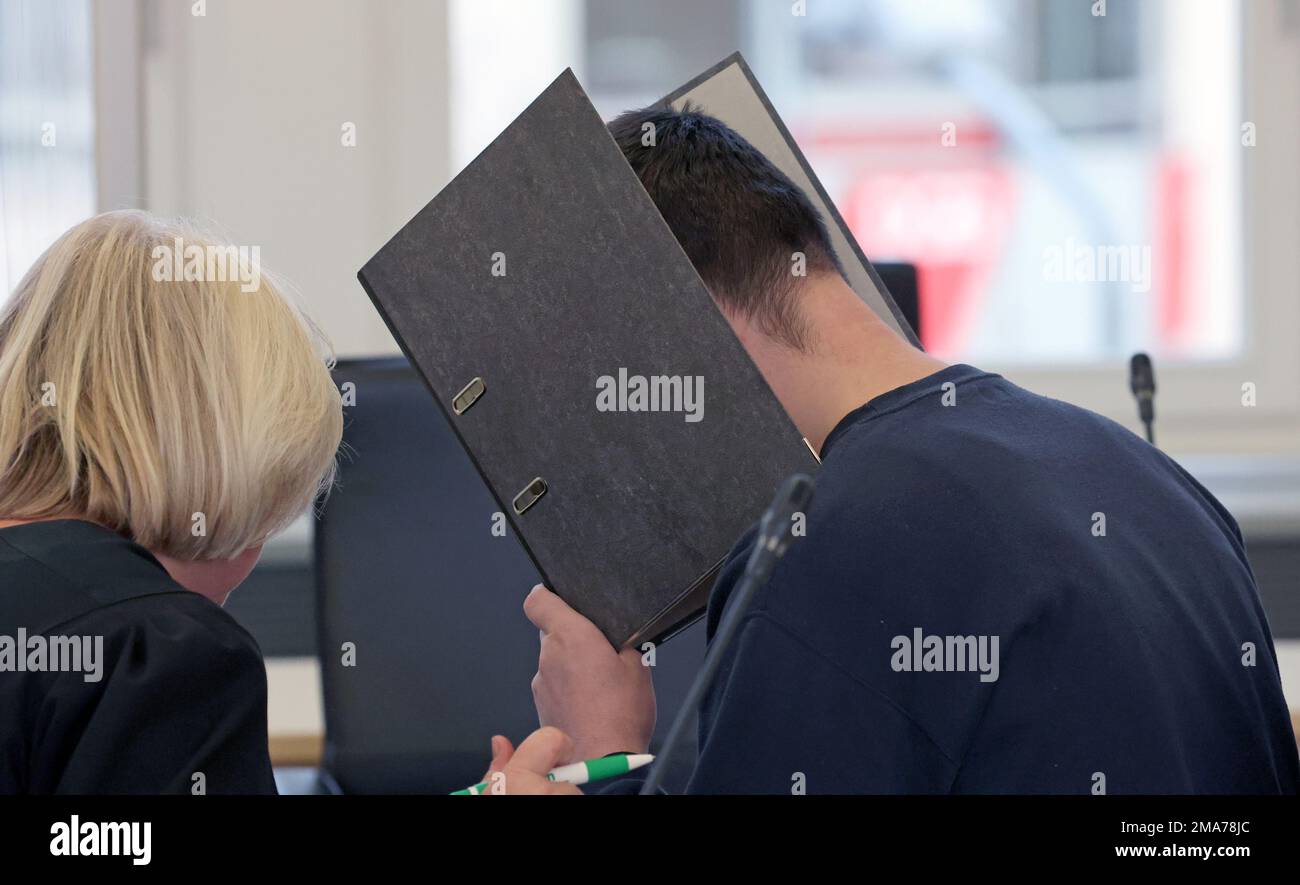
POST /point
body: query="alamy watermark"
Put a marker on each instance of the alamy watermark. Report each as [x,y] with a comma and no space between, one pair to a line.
[920,653]
[78,838]
[53,654]
[1074,262]
[209,263]
[656,393]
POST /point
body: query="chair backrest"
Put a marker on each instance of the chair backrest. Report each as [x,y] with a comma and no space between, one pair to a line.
[411,576]
[901,281]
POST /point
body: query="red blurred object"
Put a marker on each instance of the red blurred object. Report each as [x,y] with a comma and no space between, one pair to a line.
[1169,273]
[950,211]
[952,223]
[944,206]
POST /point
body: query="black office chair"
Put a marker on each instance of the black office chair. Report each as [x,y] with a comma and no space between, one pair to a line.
[410,576]
[901,282]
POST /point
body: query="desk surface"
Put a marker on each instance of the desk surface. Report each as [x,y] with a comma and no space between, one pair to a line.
[297,727]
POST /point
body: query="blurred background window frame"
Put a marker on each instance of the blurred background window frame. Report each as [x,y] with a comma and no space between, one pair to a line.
[70,121]
[1200,403]
[1203,406]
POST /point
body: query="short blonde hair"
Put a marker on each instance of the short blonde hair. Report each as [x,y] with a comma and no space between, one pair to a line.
[197,417]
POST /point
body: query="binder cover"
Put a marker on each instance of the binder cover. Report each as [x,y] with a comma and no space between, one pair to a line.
[730,92]
[539,270]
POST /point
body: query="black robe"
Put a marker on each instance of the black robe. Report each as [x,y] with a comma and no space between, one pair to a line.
[174,701]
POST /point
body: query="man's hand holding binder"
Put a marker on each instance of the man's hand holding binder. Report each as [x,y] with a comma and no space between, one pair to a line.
[602,698]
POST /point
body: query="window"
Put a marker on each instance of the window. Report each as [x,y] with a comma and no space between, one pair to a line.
[47,132]
[1156,145]
[1061,179]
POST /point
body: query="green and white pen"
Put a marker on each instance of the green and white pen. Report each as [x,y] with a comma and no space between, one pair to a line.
[582,772]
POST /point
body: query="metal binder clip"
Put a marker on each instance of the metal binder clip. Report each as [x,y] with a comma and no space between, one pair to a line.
[528,497]
[468,395]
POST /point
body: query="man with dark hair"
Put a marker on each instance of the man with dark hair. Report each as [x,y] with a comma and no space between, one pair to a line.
[997,592]
[741,222]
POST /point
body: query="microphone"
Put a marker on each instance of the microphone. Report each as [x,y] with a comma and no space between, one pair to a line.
[775,536]
[1142,381]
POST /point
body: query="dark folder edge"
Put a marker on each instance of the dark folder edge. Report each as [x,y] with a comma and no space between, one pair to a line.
[667,622]
[670,620]
[681,613]
[447,417]
[736,58]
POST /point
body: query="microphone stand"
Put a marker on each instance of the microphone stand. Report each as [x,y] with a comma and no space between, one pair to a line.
[774,538]
[1142,381]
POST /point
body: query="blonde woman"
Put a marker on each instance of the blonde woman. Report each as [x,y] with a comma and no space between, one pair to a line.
[153,434]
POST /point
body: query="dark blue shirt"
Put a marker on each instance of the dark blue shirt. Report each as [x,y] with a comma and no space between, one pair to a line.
[1132,653]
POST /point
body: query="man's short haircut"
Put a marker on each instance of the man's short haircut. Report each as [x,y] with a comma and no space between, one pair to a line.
[740,219]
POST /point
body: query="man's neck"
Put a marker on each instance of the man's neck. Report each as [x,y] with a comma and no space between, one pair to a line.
[853,357]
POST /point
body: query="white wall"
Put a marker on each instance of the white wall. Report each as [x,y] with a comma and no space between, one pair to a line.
[243,109]
[503,54]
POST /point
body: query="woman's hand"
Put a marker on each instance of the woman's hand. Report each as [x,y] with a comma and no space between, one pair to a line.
[602,698]
[523,772]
